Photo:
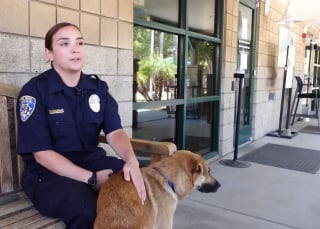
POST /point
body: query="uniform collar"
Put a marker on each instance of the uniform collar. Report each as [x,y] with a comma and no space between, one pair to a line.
[56,84]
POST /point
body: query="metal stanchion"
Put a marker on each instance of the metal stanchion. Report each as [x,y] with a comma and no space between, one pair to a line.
[235,162]
[284,133]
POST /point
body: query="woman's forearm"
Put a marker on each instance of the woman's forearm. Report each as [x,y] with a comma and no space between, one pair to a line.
[60,165]
[120,143]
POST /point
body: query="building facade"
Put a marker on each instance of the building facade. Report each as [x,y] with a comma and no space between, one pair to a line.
[196,47]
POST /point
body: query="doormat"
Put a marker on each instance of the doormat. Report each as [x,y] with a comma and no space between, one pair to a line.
[310,130]
[287,157]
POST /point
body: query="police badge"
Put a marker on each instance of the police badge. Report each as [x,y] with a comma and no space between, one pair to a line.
[27,107]
[94,103]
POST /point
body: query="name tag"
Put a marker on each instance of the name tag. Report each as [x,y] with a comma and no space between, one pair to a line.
[56,111]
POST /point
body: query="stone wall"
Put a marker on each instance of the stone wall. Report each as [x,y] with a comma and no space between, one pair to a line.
[269,77]
[106,27]
[229,67]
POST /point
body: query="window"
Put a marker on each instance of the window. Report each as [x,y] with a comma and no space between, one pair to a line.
[177,72]
[201,68]
[202,16]
[155,56]
[199,124]
[164,11]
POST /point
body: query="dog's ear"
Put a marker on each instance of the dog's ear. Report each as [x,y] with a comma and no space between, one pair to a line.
[198,168]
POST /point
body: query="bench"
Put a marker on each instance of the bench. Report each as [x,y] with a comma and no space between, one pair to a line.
[16,211]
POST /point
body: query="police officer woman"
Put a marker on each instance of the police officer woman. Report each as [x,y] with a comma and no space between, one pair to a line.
[61,113]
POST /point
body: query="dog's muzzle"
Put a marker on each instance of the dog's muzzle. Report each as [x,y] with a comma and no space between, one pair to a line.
[209,187]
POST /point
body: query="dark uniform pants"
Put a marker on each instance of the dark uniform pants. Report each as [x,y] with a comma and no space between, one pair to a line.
[60,197]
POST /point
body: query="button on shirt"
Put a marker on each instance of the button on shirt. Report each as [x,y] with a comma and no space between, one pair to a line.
[53,116]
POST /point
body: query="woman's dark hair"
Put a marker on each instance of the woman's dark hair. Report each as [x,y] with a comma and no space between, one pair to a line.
[51,32]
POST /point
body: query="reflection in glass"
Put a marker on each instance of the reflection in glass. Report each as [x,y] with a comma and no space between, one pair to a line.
[164,11]
[201,71]
[316,65]
[244,61]
[198,128]
[155,124]
[245,22]
[155,65]
[201,16]
[307,61]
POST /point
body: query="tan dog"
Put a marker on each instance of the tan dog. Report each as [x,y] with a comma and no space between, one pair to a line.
[167,181]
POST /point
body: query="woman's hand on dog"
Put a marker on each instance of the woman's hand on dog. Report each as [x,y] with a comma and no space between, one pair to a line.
[132,173]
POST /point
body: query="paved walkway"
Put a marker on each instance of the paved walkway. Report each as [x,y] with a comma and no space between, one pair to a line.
[258,197]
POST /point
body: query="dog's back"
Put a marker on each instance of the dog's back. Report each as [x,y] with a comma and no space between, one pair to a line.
[167,181]
[119,206]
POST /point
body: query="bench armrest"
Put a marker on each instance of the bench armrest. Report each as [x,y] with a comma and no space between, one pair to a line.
[156,150]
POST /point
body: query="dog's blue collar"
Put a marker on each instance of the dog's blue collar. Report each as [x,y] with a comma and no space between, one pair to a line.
[170,183]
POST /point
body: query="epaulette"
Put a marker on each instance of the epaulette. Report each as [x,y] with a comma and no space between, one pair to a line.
[43,75]
[94,77]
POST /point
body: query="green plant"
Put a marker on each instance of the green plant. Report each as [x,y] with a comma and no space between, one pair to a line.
[156,69]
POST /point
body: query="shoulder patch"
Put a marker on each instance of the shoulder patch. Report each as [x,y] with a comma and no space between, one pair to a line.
[27,107]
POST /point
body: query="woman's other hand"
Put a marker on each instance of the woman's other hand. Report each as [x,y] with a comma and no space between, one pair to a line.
[132,173]
[102,176]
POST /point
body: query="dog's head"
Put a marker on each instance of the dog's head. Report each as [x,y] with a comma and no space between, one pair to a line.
[201,177]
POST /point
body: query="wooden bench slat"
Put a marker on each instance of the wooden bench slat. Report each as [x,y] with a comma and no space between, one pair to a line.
[19,203]
[19,213]
[45,223]
[56,225]
[19,158]
[34,221]
[9,90]
[18,217]
[6,175]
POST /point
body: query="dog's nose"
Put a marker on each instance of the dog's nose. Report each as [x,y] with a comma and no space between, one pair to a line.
[209,187]
[216,186]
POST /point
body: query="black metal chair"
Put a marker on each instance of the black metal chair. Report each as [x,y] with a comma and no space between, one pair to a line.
[314,95]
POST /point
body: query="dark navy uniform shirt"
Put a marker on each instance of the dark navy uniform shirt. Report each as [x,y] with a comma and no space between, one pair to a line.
[53,116]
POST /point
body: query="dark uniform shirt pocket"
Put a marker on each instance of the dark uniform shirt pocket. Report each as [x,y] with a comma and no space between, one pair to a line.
[93,122]
[63,131]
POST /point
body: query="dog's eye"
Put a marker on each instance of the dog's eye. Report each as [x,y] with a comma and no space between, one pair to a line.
[209,170]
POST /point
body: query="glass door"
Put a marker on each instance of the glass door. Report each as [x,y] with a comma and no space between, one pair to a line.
[246,65]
